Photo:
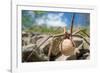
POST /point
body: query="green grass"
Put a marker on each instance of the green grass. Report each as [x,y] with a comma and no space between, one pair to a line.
[53,30]
[44,29]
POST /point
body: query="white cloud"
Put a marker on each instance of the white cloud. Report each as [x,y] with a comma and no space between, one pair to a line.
[32,14]
[55,20]
[40,20]
[52,19]
[52,16]
[55,23]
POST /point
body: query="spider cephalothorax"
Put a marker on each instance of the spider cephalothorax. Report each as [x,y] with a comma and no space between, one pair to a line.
[67,35]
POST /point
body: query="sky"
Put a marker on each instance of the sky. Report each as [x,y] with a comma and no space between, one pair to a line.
[61,19]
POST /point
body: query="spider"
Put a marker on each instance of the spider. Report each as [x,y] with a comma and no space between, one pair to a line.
[67,45]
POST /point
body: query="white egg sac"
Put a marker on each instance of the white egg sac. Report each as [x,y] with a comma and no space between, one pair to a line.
[67,47]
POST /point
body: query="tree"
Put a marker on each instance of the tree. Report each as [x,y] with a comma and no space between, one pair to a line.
[28,19]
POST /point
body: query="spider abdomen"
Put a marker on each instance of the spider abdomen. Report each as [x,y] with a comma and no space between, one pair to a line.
[67,47]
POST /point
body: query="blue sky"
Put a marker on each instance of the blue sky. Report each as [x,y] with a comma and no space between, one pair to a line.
[81,19]
[61,19]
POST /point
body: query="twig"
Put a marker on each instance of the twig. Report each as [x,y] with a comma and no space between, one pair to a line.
[82,37]
[86,34]
[37,48]
[50,48]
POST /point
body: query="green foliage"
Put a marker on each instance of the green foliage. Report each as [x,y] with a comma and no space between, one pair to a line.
[39,12]
[44,29]
[26,19]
